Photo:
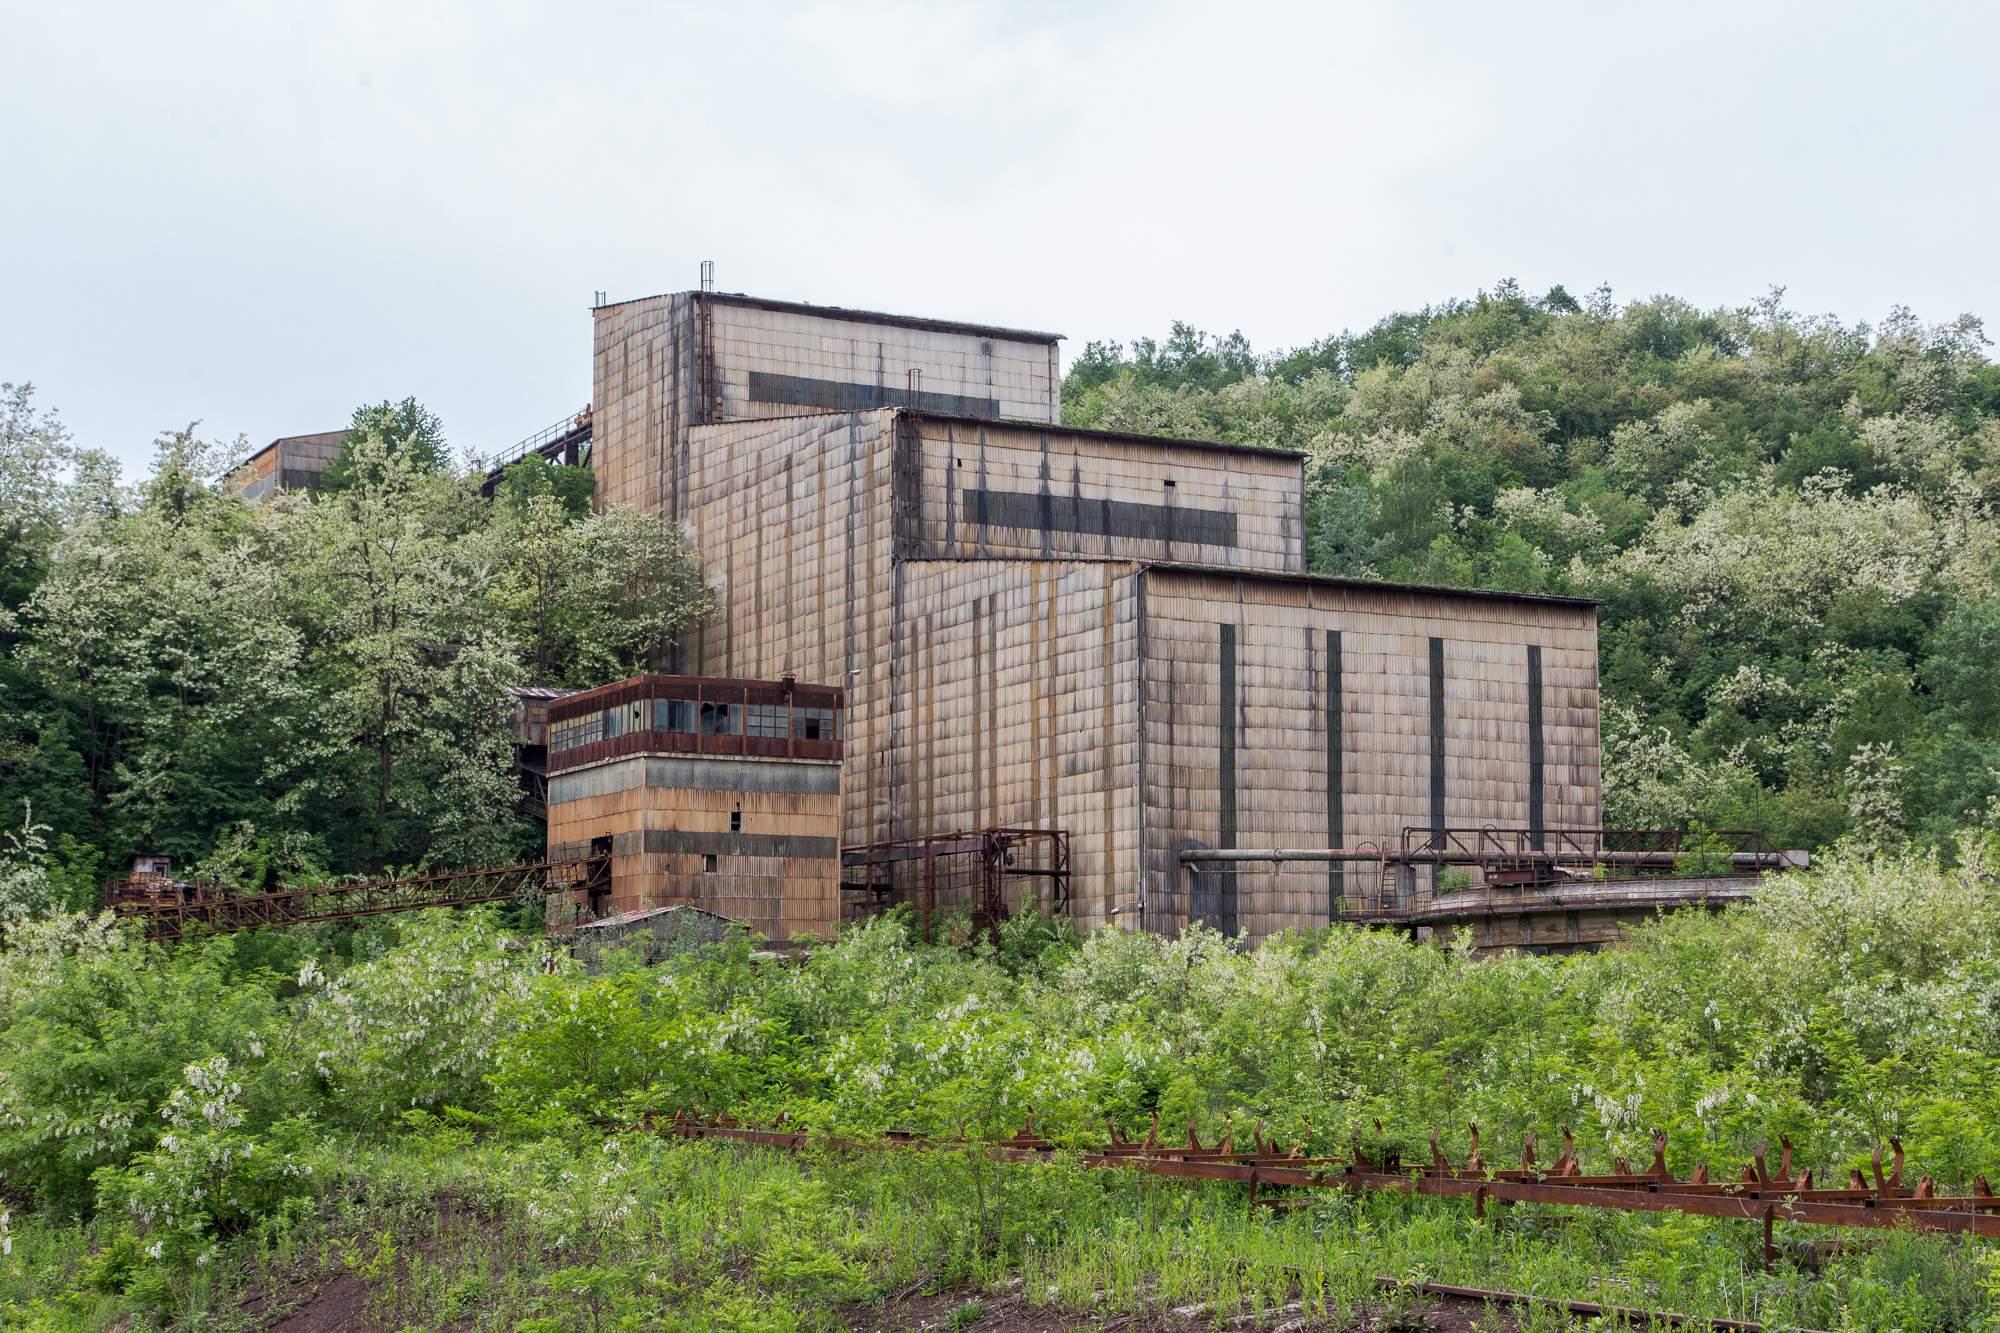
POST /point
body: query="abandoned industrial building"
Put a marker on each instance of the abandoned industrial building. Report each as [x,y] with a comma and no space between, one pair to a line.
[1113,637]
[966,657]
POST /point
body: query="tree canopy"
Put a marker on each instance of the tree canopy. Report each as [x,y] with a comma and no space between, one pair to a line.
[320,683]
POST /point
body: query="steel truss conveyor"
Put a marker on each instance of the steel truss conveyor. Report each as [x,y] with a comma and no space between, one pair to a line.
[172,909]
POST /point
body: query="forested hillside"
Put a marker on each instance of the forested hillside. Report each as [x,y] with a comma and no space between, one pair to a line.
[1790,521]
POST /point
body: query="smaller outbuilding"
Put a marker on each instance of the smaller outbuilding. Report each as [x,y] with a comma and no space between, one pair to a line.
[292,463]
[652,933]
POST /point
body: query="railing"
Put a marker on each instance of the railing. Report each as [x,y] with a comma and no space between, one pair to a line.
[1527,862]
[977,866]
[1648,847]
[543,441]
[1529,858]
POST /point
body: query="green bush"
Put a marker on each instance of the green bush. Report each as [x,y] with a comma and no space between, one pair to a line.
[346,1109]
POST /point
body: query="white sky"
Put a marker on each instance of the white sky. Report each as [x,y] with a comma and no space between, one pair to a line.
[262,215]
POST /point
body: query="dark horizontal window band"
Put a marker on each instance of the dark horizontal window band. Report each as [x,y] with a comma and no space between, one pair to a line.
[841,396]
[696,773]
[675,842]
[795,845]
[1098,518]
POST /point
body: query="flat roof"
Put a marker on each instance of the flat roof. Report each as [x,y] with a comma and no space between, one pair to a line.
[1121,437]
[859,316]
[1376,585]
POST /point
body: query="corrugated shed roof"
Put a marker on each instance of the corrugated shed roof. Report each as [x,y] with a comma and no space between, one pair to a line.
[639,914]
[541,691]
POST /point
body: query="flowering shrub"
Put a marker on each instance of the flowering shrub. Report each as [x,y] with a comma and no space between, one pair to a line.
[209,1174]
[1848,1004]
[631,1041]
[95,1030]
[419,1025]
[190,1095]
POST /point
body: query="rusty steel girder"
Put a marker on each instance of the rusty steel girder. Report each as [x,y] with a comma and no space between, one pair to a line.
[171,910]
[1757,1195]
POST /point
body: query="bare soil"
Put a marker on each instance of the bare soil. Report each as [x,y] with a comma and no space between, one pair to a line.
[339,1304]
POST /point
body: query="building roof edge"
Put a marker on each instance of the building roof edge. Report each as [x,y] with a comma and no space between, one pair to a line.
[857,316]
[1377,585]
[1123,437]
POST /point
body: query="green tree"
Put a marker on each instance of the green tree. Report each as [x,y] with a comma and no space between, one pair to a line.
[401,753]
[535,476]
[46,485]
[35,457]
[1959,667]
[406,430]
[161,632]
[596,598]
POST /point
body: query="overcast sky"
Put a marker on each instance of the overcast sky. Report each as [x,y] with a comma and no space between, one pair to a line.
[262,215]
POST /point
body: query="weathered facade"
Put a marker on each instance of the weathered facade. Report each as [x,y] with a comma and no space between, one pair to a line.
[719,794]
[1285,711]
[665,364]
[1054,628]
[294,462]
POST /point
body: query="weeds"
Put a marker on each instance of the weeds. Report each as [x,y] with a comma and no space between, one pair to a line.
[489,1182]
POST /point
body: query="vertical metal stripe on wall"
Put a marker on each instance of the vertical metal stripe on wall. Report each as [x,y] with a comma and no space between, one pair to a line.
[1535,816]
[1336,782]
[1226,768]
[1437,749]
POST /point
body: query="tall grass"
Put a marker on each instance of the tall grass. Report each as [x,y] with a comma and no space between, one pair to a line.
[640,1232]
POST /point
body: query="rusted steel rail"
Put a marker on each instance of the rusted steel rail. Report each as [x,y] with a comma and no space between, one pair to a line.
[172,909]
[1758,1194]
[1620,1315]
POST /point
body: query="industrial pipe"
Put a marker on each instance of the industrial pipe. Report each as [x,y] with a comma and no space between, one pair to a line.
[1432,856]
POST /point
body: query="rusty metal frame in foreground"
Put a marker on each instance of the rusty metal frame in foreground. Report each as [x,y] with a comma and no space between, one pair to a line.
[173,909]
[1757,1195]
[994,856]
